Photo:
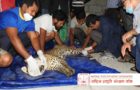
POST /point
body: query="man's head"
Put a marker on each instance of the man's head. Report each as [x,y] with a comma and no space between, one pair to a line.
[29,8]
[130,5]
[81,18]
[59,18]
[92,21]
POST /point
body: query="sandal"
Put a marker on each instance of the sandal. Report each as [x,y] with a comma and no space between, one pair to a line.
[133,68]
[127,58]
[120,59]
[132,61]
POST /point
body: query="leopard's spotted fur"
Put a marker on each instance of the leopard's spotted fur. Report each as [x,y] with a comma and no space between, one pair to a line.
[63,51]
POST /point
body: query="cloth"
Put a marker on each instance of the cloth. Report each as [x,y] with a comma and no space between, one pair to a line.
[44,22]
[136,52]
[136,19]
[96,36]
[11,18]
[111,37]
[13,78]
[63,33]
[136,22]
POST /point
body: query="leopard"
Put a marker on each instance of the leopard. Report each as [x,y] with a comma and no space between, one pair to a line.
[54,64]
[62,51]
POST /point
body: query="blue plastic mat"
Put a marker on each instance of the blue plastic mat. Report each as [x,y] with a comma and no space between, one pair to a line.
[12,77]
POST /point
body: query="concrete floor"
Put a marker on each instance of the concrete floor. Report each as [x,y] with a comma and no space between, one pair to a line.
[106,60]
[89,88]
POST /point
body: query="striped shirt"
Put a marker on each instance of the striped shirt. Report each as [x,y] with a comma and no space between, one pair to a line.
[78,3]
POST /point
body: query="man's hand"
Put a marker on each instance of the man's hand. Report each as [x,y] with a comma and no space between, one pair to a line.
[42,58]
[87,50]
[124,47]
[72,46]
[129,35]
[33,68]
[91,51]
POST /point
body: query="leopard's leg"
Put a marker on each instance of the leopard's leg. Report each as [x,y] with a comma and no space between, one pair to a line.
[66,69]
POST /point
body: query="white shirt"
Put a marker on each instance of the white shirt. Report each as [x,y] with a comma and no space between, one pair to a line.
[136,21]
[44,22]
[74,24]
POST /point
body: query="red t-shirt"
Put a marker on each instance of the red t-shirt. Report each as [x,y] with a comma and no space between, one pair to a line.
[6,4]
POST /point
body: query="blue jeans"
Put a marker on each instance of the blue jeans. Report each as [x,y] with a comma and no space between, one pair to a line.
[138,53]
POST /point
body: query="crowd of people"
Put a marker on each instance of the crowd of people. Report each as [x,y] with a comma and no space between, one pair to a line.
[31,24]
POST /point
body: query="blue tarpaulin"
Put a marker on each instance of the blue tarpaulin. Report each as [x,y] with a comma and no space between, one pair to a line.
[12,76]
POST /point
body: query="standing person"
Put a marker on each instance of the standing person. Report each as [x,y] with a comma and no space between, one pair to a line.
[77,6]
[132,37]
[44,6]
[59,5]
[112,10]
[16,25]
[47,27]
[127,20]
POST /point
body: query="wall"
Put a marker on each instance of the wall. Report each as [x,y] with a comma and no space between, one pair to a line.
[96,7]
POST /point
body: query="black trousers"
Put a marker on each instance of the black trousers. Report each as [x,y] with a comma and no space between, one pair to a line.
[6,44]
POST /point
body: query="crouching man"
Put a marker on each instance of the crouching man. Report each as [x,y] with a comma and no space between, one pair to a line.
[16,28]
[47,26]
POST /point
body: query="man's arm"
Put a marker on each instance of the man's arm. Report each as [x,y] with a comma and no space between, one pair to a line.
[42,38]
[71,36]
[88,36]
[35,43]
[57,38]
[16,42]
[34,40]
[86,41]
